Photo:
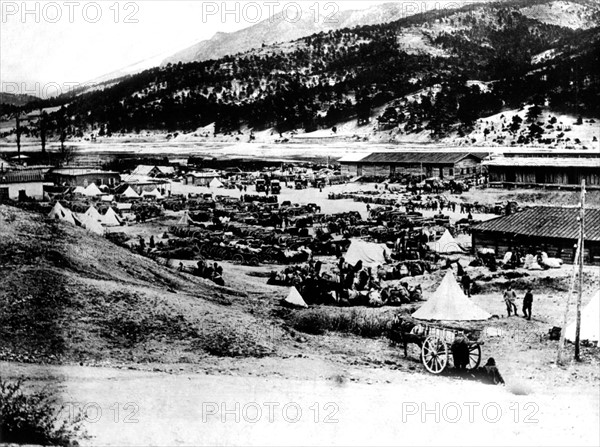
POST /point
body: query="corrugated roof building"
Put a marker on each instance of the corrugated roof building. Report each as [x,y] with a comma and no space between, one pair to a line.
[554,230]
[440,164]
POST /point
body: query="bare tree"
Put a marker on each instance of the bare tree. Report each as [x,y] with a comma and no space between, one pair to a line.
[43,130]
[18,135]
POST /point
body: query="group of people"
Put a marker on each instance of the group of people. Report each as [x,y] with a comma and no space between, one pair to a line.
[510,298]
[206,270]
[347,284]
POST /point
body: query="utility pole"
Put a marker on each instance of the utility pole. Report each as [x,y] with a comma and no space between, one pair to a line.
[581,254]
[561,343]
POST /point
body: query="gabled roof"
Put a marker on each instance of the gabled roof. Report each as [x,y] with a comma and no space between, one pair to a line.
[146,170]
[555,222]
[417,157]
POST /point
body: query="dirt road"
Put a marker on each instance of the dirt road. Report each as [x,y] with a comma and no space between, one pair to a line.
[142,408]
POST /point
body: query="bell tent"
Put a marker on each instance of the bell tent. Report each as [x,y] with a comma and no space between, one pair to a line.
[446,244]
[111,219]
[449,303]
[61,213]
[590,322]
[294,299]
[92,190]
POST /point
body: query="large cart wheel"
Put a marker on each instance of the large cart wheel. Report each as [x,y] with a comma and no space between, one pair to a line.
[434,354]
[474,356]
[238,259]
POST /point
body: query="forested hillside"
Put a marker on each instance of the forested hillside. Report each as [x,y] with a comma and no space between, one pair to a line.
[318,81]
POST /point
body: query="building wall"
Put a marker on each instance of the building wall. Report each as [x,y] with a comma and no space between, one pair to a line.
[466,168]
[556,248]
[85,179]
[198,181]
[34,190]
[544,175]
[469,167]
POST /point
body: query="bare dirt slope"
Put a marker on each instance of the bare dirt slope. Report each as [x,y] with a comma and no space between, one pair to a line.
[67,295]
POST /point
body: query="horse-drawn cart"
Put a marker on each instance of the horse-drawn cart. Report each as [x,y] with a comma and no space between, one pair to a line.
[440,344]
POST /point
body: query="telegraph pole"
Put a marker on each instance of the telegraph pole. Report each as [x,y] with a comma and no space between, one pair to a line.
[578,258]
[581,258]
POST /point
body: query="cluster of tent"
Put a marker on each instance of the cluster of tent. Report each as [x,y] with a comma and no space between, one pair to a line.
[91,220]
[93,191]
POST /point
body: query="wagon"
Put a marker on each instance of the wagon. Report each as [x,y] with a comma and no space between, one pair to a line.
[440,345]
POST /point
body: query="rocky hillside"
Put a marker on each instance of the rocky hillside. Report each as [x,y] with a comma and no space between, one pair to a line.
[435,73]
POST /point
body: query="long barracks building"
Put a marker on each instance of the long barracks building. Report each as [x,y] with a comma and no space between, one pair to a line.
[443,165]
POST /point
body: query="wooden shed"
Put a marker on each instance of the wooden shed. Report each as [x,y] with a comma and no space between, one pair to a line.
[544,171]
[554,230]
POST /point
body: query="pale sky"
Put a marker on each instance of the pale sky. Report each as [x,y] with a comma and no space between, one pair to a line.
[44,44]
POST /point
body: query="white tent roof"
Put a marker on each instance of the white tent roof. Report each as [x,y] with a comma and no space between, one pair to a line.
[215,183]
[60,212]
[92,190]
[79,190]
[110,219]
[185,219]
[90,224]
[590,322]
[154,193]
[450,303]
[371,254]
[130,193]
[295,299]
[446,244]
[94,214]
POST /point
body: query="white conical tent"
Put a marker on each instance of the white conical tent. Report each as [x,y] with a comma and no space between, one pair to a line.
[294,299]
[154,193]
[369,253]
[79,190]
[92,190]
[590,322]
[94,214]
[61,213]
[110,219]
[450,303]
[130,193]
[215,183]
[185,219]
[446,244]
[90,224]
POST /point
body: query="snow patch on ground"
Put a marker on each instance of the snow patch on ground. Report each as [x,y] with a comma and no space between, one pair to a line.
[563,13]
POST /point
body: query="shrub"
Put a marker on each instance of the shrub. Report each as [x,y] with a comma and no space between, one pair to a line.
[361,322]
[35,418]
[235,342]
